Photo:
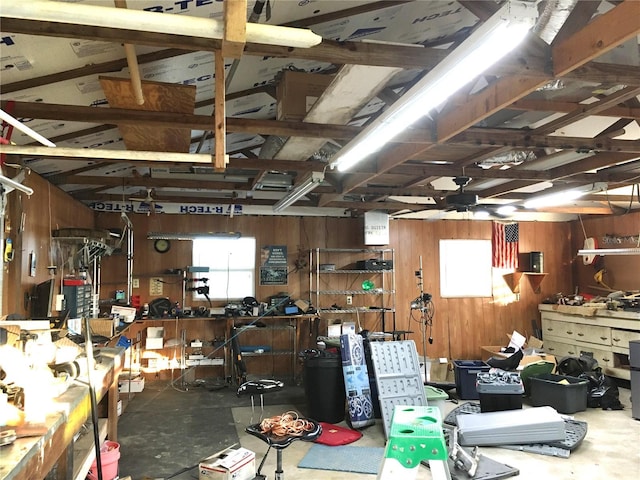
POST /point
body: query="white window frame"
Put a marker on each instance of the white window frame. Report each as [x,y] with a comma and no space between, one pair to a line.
[232,267]
[465,268]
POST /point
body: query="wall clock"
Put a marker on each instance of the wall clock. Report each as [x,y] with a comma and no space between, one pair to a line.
[161,245]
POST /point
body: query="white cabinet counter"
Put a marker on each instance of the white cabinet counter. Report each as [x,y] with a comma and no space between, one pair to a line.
[569,330]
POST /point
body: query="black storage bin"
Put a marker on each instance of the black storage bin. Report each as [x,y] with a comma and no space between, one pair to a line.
[324,388]
[496,402]
[499,391]
[567,397]
[465,372]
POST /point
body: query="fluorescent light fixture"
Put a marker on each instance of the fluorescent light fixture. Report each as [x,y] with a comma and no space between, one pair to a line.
[12,184]
[24,129]
[308,183]
[190,236]
[130,20]
[506,209]
[610,251]
[489,43]
[566,196]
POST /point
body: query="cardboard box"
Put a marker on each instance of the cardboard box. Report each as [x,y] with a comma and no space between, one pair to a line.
[238,464]
[494,351]
[155,338]
[297,92]
[101,326]
[136,385]
[438,370]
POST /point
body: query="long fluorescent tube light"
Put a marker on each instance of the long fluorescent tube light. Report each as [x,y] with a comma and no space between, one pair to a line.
[191,236]
[310,181]
[12,184]
[151,22]
[489,43]
[24,129]
[566,196]
[610,251]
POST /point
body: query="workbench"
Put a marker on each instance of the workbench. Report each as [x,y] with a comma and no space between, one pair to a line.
[283,334]
[570,330]
[58,450]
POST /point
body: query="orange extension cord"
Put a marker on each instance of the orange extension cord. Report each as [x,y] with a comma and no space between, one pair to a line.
[287,424]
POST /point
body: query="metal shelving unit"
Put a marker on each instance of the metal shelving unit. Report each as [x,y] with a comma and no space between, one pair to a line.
[287,324]
[329,300]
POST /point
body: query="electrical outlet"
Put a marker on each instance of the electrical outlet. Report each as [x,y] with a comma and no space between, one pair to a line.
[135,283]
[349,300]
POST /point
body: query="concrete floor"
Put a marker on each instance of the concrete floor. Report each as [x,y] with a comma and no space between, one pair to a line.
[609,451]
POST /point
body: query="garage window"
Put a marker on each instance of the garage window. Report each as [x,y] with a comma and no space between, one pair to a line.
[231,263]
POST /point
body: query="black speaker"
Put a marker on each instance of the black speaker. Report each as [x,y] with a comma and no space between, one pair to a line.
[536,262]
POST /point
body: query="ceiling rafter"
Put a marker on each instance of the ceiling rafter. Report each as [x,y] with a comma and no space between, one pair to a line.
[402,168]
[508,89]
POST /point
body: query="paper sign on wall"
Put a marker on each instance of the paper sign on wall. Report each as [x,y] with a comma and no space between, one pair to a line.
[376,228]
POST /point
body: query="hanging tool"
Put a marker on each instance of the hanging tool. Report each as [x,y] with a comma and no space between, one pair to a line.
[8,250]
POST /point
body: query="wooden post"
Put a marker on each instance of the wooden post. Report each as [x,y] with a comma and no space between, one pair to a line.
[220,159]
[132,62]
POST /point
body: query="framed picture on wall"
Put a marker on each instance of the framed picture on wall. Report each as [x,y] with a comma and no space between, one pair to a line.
[273,265]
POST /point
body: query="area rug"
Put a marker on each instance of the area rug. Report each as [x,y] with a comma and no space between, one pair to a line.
[343,458]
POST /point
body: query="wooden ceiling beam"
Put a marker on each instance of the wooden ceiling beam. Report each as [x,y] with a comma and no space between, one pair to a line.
[602,34]
[185,42]
[205,200]
[522,139]
[483,9]
[608,73]
[567,55]
[90,153]
[576,20]
[584,111]
[538,105]
[75,113]
[438,171]
[385,161]
[85,70]
[503,188]
[596,162]
[458,167]
[100,18]
[479,106]
[277,165]
[235,28]
[357,53]
[347,12]
[200,182]
[578,210]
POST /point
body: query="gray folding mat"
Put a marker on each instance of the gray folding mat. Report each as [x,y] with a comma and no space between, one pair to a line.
[531,425]
[575,433]
[397,373]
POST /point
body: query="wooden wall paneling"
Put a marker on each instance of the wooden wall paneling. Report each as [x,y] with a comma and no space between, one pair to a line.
[47,209]
[472,308]
[433,231]
[621,271]
[401,234]
[460,327]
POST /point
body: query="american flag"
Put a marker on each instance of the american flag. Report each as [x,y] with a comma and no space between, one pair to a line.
[504,245]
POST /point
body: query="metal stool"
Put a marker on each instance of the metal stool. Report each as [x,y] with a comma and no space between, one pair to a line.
[278,443]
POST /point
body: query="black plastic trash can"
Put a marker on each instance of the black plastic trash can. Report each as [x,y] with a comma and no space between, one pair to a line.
[324,387]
